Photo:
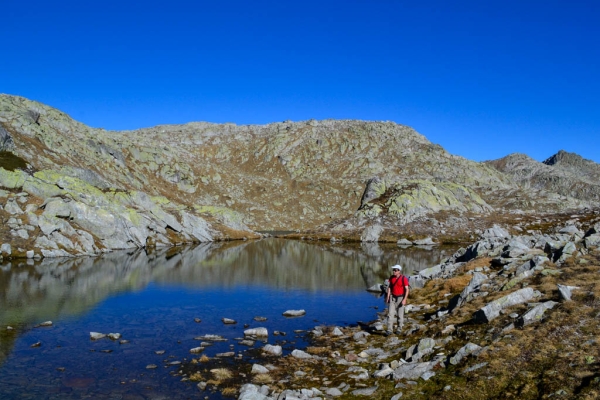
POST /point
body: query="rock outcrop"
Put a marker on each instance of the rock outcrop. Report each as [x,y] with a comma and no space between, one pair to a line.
[200,181]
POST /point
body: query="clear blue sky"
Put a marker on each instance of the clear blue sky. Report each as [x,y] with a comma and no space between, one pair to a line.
[481,78]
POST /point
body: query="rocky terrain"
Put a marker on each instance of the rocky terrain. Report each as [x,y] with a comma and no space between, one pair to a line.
[69,189]
[509,316]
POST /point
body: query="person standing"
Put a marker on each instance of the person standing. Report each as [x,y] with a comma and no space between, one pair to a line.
[396,296]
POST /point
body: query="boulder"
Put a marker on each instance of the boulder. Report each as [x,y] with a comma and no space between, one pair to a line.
[424,242]
[301,354]
[565,291]
[256,332]
[535,314]
[259,369]
[251,392]
[273,350]
[474,285]
[413,370]
[492,310]
[464,351]
[495,232]
[432,272]
[592,241]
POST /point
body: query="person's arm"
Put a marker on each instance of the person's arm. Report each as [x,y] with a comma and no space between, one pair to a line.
[387,294]
[406,293]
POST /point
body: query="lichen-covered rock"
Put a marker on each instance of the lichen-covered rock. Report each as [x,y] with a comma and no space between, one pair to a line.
[464,351]
[535,314]
[413,370]
[492,310]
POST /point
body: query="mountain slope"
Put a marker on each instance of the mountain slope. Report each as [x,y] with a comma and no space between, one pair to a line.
[332,176]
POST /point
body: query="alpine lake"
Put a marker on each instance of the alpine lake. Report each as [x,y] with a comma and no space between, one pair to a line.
[159,301]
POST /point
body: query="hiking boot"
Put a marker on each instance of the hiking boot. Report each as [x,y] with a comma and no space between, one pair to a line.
[388,333]
[399,331]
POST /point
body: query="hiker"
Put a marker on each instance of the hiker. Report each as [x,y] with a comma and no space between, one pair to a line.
[396,296]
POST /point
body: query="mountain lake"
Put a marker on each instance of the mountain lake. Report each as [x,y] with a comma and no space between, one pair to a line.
[161,300]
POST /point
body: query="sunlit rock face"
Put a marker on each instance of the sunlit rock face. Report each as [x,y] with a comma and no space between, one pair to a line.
[201,181]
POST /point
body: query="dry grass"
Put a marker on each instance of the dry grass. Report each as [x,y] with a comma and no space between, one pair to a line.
[221,373]
[318,350]
[204,358]
[229,391]
[196,377]
[262,379]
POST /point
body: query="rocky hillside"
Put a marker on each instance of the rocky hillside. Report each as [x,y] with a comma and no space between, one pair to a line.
[200,181]
[566,174]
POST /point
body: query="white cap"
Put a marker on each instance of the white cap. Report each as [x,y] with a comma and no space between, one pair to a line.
[397,266]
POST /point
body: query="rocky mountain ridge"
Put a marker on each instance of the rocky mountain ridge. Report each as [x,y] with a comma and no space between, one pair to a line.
[352,180]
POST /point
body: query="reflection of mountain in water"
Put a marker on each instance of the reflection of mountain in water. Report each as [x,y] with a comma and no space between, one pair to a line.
[31,292]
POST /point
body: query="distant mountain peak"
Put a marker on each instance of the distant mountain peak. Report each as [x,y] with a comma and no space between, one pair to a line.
[564,157]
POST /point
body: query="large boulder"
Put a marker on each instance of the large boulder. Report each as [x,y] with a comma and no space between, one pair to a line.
[492,310]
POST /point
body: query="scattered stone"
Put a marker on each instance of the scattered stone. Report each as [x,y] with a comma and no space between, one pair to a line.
[535,314]
[151,366]
[114,336]
[197,320]
[294,313]
[259,369]
[159,352]
[413,370]
[301,354]
[37,344]
[212,338]
[260,332]
[424,242]
[475,367]
[334,392]
[226,354]
[365,392]
[466,350]
[260,319]
[97,335]
[47,323]
[196,350]
[565,291]
[275,350]
[228,321]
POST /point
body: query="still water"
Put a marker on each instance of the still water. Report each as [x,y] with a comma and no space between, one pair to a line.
[154,300]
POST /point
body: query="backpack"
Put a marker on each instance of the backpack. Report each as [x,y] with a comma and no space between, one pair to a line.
[403,280]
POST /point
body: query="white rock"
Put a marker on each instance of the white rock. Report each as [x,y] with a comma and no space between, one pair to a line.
[274,350]
[97,335]
[256,332]
[259,369]
[294,313]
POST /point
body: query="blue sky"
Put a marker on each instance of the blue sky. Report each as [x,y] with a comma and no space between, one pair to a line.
[481,78]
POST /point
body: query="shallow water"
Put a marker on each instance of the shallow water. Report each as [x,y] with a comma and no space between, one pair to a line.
[153,300]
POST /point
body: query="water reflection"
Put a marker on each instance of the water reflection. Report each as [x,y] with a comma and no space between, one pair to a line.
[31,292]
[152,299]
